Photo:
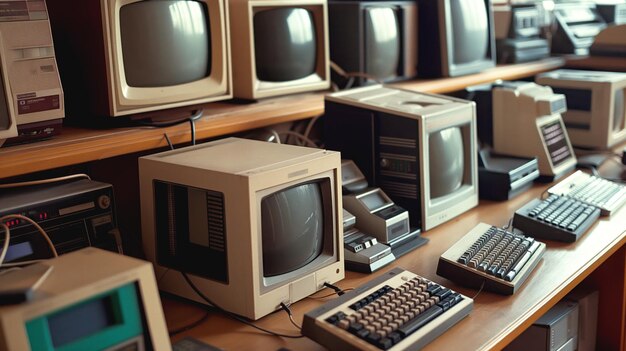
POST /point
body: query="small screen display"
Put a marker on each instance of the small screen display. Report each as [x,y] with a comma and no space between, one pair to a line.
[446,157]
[285,44]
[374,201]
[555,139]
[81,321]
[18,251]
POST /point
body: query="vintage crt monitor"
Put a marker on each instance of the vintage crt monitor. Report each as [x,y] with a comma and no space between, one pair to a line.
[420,149]
[596,108]
[129,57]
[577,24]
[90,297]
[456,37]
[517,31]
[527,123]
[281,47]
[253,223]
[31,97]
[378,38]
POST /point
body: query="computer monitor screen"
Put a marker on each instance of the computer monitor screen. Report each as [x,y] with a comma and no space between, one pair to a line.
[284,44]
[281,47]
[382,42]
[446,157]
[470,30]
[255,223]
[144,26]
[456,37]
[292,228]
[138,57]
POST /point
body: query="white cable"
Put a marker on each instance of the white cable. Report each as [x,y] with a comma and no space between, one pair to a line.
[44,181]
[308,141]
[5,247]
[43,232]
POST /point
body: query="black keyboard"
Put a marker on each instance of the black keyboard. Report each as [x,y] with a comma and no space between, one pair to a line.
[493,257]
[558,218]
[398,310]
[605,194]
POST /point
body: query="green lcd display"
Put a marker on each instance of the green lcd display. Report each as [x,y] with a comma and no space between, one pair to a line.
[96,323]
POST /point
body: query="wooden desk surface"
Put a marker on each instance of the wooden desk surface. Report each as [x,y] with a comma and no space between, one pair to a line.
[495,320]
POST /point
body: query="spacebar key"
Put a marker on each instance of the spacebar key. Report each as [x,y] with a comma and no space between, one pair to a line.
[419,321]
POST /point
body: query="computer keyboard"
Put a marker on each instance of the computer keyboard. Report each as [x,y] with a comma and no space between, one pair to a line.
[491,256]
[398,310]
[605,194]
[557,217]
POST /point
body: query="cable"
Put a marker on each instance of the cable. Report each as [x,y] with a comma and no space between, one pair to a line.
[508,224]
[7,237]
[169,142]
[479,290]
[329,295]
[232,315]
[288,310]
[192,122]
[338,290]
[190,325]
[351,75]
[21,263]
[308,141]
[43,232]
[309,126]
[44,181]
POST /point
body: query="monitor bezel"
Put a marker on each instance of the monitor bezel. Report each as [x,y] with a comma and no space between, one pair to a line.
[245,80]
[433,209]
[125,99]
[330,251]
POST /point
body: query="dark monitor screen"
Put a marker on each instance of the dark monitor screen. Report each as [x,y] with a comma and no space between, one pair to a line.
[446,160]
[285,44]
[555,140]
[382,42]
[470,30]
[619,111]
[165,43]
[5,120]
[69,325]
[292,228]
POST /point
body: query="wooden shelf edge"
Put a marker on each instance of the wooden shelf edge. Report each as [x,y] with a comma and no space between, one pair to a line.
[80,145]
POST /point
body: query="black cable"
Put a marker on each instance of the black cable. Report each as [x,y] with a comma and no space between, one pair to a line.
[169,142]
[288,310]
[336,288]
[329,295]
[193,130]
[232,315]
[190,325]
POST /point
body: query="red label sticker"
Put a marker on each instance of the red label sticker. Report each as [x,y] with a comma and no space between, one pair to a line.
[38,104]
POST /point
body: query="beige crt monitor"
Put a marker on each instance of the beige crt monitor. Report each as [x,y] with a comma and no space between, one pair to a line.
[527,122]
[280,47]
[90,297]
[126,57]
[31,88]
[596,105]
[252,223]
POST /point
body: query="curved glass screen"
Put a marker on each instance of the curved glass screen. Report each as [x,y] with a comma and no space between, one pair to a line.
[446,161]
[470,30]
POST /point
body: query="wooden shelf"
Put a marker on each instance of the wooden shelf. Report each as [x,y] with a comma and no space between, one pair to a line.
[78,145]
[495,319]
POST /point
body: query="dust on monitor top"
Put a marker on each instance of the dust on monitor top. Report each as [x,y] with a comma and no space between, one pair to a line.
[587,76]
[380,97]
[238,156]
